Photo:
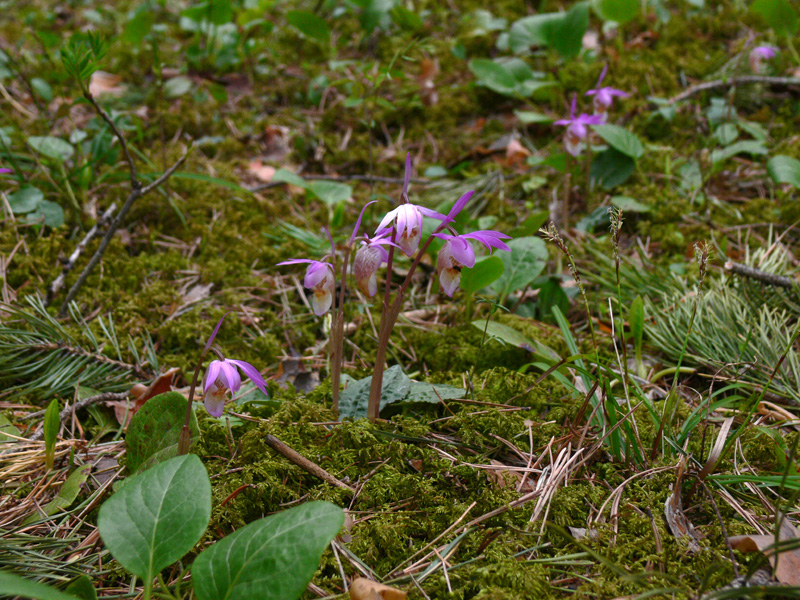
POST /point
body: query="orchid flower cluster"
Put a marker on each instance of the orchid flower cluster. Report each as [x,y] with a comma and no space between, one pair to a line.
[577,126]
[399,230]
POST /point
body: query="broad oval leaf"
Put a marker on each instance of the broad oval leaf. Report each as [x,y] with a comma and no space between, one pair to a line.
[620,11]
[523,264]
[14,585]
[154,430]
[621,140]
[778,14]
[493,76]
[25,199]
[354,399]
[508,335]
[330,192]
[52,147]
[157,516]
[273,558]
[784,169]
[309,24]
[483,274]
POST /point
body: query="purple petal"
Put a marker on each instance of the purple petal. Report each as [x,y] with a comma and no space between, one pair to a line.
[457,208]
[385,224]
[296,261]
[252,373]
[211,374]
[406,178]
[462,251]
[316,273]
[573,106]
[215,404]
[214,333]
[602,75]
[229,376]
[431,213]
[6,171]
[490,239]
[358,223]
[563,122]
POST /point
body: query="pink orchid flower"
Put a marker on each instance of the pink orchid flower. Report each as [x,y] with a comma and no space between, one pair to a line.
[759,54]
[604,96]
[457,253]
[319,278]
[577,130]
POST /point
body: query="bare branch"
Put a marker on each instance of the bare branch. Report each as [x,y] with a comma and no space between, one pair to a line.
[734,81]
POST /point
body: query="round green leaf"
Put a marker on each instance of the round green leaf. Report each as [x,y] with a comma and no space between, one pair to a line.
[25,199]
[157,516]
[483,274]
[620,11]
[273,558]
[330,192]
[522,265]
[784,169]
[621,140]
[177,86]
[154,430]
[52,147]
[778,14]
[310,25]
[50,213]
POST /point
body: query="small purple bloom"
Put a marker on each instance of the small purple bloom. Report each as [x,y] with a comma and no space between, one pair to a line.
[319,278]
[576,128]
[604,96]
[222,377]
[3,171]
[457,253]
[369,258]
[759,54]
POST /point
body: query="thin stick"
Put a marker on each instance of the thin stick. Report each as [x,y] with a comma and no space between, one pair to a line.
[65,414]
[137,192]
[58,282]
[733,82]
[302,462]
[758,274]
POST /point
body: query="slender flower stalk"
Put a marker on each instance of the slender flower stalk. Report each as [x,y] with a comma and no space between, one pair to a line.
[222,378]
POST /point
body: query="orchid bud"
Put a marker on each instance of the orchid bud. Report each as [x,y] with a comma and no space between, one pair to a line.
[367,262]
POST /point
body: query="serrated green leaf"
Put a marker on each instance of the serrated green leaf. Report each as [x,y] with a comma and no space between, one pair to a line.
[621,140]
[272,558]
[153,432]
[157,516]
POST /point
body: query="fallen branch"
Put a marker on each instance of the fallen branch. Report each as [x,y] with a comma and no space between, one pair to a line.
[137,191]
[73,258]
[302,462]
[759,275]
[732,82]
[65,414]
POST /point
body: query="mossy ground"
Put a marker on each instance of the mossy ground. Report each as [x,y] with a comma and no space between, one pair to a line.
[199,231]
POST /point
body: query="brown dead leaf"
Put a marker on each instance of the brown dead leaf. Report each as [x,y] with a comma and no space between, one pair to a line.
[678,522]
[516,153]
[261,171]
[106,84]
[429,69]
[504,477]
[125,409]
[364,589]
[786,563]
[275,143]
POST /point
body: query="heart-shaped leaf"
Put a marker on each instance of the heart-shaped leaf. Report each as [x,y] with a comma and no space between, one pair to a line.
[154,430]
[354,399]
[157,516]
[523,264]
[621,140]
[273,558]
[484,273]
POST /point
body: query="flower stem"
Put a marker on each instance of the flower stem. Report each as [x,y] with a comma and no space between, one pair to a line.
[184,440]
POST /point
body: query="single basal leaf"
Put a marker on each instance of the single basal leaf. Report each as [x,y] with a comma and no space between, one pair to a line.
[485,272]
[310,25]
[523,264]
[621,140]
[784,169]
[354,399]
[52,147]
[52,423]
[273,558]
[153,432]
[157,516]
[13,585]
[509,335]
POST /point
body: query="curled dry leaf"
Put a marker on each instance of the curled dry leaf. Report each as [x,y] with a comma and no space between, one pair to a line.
[106,84]
[429,69]
[275,143]
[364,589]
[516,153]
[678,522]
[786,563]
[141,393]
[261,171]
